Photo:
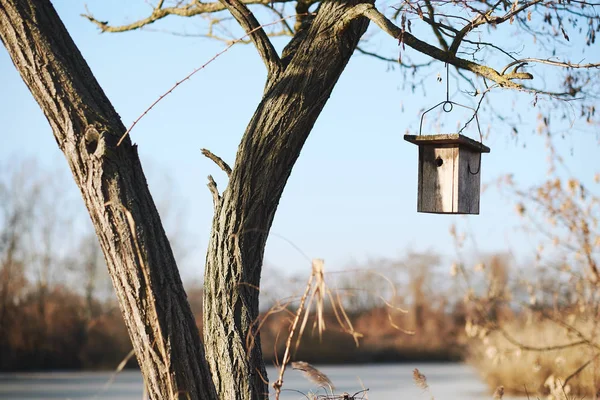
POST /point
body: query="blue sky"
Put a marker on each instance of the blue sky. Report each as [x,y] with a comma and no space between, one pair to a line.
[352,194]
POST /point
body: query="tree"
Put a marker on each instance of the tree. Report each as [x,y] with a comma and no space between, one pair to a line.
[17,207]
[107,169]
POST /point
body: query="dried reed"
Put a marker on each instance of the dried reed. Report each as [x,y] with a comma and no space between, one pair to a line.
[313,374]
[317,275]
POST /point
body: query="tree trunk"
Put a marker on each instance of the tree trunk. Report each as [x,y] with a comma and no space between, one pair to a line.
[270,146]
[113,186]
[114,189]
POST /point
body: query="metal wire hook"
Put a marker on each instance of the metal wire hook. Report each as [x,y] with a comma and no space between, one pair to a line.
[478,167]
[448,106]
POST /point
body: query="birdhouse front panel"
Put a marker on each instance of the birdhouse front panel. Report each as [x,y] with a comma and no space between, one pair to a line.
[437,188]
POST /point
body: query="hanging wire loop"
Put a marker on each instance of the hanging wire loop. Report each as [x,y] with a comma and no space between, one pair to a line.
[448,106]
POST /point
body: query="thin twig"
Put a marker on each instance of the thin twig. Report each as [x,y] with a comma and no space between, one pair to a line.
[116,372]
[578,370]
[551,62]
[286,356]
[263,44]
[234,42]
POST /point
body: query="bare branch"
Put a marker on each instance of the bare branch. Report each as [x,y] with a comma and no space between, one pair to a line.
[551,62]
[189,10]
[378,56]
[302,12]
[578,370]
[478,44]
[237,8]
[487,18]
[369,11]
[230,45]
[589,342]
[286,28]
[217,160]
[522,346]
[263,44]
[392,60]
[435,26]
[439,25]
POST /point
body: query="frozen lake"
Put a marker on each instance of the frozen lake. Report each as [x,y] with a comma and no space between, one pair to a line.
[385,382]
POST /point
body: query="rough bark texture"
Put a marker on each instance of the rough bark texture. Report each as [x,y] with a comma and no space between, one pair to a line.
[140,261]
[270,146]
[113,186]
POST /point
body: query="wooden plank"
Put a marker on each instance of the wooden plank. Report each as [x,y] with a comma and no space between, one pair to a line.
[467,183]
[436,179]
[447,140]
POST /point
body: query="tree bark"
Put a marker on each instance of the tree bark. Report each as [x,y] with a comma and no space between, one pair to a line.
[114,189]
[294,98]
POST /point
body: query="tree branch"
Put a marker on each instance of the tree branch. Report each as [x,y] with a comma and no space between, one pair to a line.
[217,160]
[522,346]
[238,8]
[551,62]
[437,24]
[578,370]
[434,26]
[392,60]
[302,12]
[189,10]
[369,11]
[286,28]
[486,18]
[248,22]
[479,44]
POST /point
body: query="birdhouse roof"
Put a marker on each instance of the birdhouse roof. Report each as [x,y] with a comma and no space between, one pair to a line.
[446,139]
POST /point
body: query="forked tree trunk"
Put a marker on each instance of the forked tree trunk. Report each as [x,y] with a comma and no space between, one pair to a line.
[135,246]
[243,216]
[139,257]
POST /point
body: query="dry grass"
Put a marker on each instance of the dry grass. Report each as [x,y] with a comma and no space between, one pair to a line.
[314,296]
[313,374]
[537,373]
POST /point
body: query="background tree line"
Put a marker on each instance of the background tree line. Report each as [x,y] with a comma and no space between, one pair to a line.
[525,325]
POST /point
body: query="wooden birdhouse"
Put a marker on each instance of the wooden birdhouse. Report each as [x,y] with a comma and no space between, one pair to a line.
[449,173]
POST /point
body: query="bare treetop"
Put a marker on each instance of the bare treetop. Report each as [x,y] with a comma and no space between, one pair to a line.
[464,33]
